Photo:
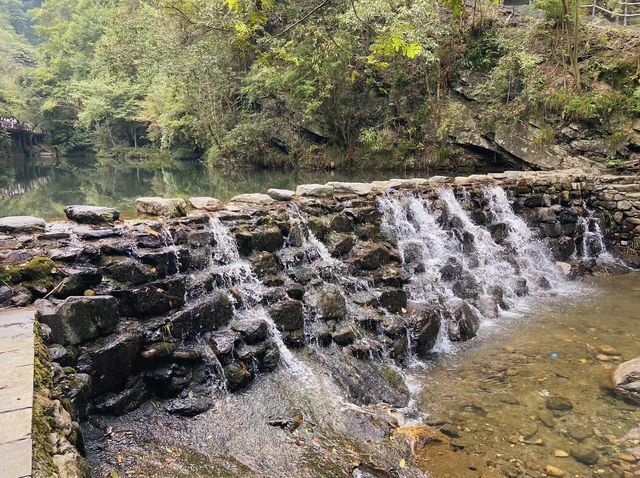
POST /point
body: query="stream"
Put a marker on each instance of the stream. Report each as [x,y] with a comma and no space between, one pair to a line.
[489,396]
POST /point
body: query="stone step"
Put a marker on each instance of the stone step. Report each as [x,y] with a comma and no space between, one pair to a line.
[16,391]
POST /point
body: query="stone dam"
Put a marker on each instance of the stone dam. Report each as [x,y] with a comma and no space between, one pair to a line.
[195,299]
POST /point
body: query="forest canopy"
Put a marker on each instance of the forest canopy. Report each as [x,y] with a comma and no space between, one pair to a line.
[288,83]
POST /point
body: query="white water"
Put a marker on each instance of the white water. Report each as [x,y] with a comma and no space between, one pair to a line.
[436,231]
[239,273]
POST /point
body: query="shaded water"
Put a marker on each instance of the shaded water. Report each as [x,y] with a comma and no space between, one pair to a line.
[492,391]
[43,188]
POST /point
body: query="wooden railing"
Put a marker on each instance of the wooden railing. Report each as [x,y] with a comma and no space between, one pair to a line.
[628,10]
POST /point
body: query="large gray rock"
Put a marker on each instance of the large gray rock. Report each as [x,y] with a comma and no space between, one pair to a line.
[155,206]
[21,224]
[206,203]
[79,319]
[626,379]
[281,194]
[361,189]
[314,190]
[210,313]
[465,320]
[91,214]
[257,199]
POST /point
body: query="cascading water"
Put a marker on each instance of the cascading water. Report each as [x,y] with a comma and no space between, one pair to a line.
[455,259]
[533,259]
[239,273]
[592,245]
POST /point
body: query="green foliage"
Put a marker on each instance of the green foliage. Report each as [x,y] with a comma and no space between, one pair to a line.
[593,107]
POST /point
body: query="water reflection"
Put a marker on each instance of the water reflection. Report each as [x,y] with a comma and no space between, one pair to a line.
[29,187]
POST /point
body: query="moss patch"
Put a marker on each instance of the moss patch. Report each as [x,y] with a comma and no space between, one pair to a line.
[38,271]
[42,411]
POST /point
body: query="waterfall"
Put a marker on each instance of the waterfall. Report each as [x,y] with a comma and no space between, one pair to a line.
[456,260]
[592,245]
[239,273]
[533,258]
[170,244]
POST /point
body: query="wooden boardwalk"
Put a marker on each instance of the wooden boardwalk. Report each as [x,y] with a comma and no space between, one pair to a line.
[16,391]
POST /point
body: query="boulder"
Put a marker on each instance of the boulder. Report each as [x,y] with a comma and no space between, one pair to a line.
[371,255]
[626,379]
[134,395]
[265,264]
[314,190]
[127,271]
[256,199]
[251,330]
[328,303]
[223,344]
[238,376]
[268,239]
[465,320]
[281,194]
[208,314]
[152,299]
[155,206]
[111,361]
[344,336]
[21,224]
[288,315]
[394,300]
[92,214]
[78,319]
[78,279]
[424,322]
[206,203]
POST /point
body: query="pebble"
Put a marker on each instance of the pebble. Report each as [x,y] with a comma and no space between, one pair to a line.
[627,457]
[553,471]
[560,453]
[607,350]
[546,417]
[584,454]
[579,432]
[559,403]
[528,429]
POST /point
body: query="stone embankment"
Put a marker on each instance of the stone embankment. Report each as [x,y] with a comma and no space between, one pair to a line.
[165,308]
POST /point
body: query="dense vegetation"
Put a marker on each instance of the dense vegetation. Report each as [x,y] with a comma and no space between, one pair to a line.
[307,82]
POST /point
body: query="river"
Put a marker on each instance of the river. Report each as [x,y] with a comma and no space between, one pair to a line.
[488,394]
[43,188]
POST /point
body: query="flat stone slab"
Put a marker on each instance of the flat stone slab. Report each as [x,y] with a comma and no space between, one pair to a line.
[91,214]
[16,391]
[258,199]
[17,224]
[206,203]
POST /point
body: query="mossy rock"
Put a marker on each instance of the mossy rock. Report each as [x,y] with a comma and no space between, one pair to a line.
[38,271]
